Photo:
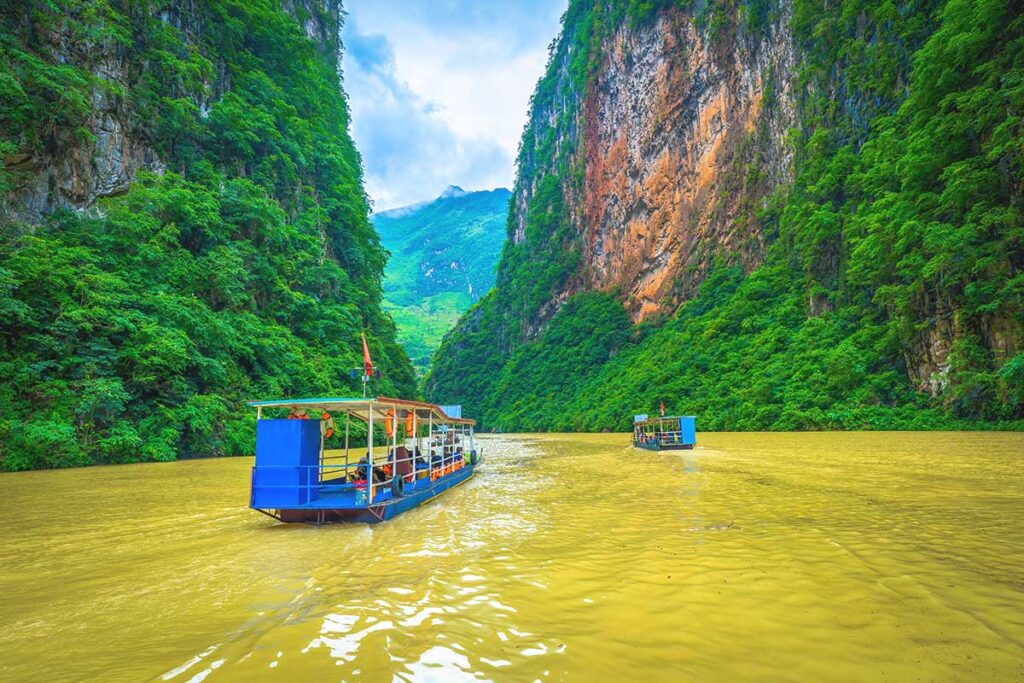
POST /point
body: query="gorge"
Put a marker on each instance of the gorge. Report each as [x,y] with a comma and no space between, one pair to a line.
[774,214]
[798,221]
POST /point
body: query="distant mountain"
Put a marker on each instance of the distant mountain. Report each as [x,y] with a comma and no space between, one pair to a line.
[443,256]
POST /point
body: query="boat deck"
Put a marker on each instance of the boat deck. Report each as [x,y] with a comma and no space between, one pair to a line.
[342,496]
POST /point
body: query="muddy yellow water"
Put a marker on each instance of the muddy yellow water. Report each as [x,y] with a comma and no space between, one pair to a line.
[568,557]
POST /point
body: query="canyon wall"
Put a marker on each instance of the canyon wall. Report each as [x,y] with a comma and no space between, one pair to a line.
[775,179]
[183,227]
[677,125]
[677,135]
[100,149]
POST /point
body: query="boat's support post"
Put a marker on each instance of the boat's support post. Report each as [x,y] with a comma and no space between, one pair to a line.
[393,458]
[417,442]
[369,458]
[259,413]
[430,444]
[348,416]
[472,441]
[320,474]
[411,453]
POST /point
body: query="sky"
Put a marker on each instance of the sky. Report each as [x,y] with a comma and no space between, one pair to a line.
[439,90]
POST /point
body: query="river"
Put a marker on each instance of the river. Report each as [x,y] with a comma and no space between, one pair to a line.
[814,556]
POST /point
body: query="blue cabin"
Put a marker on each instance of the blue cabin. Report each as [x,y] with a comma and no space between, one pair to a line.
[287,460]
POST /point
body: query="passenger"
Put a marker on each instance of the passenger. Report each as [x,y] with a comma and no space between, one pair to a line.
[359,474]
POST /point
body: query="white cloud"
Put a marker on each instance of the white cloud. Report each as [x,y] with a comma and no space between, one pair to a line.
[439,90]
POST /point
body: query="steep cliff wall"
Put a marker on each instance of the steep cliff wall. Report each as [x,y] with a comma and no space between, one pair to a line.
[775,190]
[183,226]
[684,134]
[91,147]
[100,138]
[677,135]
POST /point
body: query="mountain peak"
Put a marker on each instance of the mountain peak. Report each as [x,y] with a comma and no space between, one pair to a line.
[453,191]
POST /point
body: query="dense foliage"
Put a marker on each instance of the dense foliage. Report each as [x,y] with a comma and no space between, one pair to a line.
[443,256]
[136,331]
[904,220]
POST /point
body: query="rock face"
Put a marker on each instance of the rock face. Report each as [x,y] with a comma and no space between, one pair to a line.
[73,168]
[672,124]
[678,136]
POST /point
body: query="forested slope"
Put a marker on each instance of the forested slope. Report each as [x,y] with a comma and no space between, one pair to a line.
[184,227]
[443,256]
[847,254]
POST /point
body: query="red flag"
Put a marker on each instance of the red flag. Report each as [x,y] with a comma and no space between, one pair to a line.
[663,409]
[367,363]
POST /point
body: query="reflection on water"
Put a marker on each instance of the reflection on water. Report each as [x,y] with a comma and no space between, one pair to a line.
[771,556]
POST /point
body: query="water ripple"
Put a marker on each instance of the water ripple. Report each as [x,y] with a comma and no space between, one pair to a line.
[768,556]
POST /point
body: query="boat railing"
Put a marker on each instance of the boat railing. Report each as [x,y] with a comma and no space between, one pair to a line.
[291,484]
[301,484]
[426,464]
[661,437]
[670,437]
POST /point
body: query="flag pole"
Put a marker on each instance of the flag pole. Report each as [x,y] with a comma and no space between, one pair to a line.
[367,364]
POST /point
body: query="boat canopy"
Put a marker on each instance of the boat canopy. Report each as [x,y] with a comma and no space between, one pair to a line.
[362,408]
[644,421]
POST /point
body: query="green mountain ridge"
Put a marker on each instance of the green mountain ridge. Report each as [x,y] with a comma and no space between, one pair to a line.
[443,255]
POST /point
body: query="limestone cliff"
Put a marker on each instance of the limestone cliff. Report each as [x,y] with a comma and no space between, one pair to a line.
[98,153]
[677,134]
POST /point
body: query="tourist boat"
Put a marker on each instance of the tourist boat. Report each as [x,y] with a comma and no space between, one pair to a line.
[664,433]
[295,479]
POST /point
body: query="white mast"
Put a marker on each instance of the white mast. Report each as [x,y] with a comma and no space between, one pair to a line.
[369,457]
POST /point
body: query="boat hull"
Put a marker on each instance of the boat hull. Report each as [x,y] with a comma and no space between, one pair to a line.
[374,514]
[663,446]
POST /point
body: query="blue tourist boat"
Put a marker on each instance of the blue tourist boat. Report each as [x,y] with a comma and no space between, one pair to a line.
[295,479]
[665,433]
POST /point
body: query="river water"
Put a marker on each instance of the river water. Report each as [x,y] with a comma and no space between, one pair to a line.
[843,557]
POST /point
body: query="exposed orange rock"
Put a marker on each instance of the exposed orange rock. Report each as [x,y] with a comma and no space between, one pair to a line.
[664,154]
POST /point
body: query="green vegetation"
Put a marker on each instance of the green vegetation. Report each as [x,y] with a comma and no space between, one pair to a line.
[422,326]
[443,256]
[137,331]
[905,218]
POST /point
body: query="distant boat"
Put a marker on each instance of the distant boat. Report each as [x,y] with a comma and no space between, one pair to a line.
[664,433]
[296,480]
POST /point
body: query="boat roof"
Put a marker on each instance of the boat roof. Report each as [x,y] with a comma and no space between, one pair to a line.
[653,420]
[361,408]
